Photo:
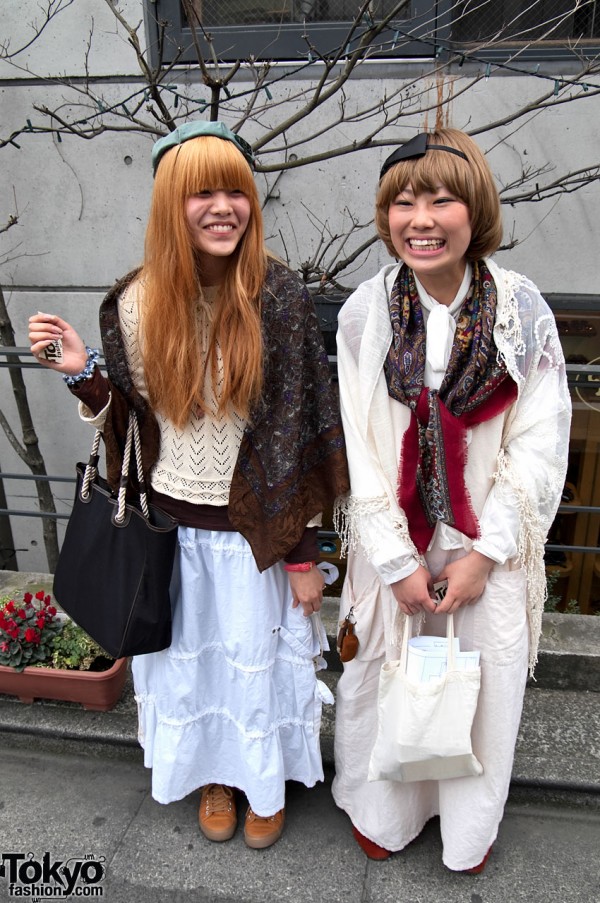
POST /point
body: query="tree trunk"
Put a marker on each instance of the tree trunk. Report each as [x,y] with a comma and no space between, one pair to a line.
[8,553]
[29,451]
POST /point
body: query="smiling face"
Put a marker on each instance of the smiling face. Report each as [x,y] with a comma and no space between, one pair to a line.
[468,181]
[217,221]
[431,232]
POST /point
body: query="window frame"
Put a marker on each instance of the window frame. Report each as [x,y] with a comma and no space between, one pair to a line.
[546,51]
[285,43]
[284,40]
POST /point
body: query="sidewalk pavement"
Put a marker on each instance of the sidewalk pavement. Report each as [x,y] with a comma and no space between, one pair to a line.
[83,808]
[558,745]
[72,784]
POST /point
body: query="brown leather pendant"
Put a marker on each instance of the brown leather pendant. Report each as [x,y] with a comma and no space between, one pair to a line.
[347,641]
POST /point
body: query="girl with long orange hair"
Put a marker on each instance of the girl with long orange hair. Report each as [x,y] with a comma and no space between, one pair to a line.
[217,347]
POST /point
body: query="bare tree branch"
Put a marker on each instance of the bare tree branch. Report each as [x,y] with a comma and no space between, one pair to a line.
[52,9]
[566,184]
[11,221]
[285,143]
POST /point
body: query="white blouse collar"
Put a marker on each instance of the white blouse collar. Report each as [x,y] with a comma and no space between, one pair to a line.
[429,303]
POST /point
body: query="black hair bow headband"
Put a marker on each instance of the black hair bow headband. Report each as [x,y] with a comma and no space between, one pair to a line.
[416,147]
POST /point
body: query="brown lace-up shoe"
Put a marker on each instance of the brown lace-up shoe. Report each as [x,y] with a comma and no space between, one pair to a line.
[217,815]
[261,832]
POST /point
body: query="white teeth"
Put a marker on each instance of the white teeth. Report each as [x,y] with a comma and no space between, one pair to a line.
[215,227]
[425,243]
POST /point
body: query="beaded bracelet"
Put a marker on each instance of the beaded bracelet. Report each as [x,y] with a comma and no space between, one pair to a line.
[301,566]
[88,371]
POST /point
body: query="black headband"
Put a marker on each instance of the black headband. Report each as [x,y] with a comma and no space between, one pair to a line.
[416,147]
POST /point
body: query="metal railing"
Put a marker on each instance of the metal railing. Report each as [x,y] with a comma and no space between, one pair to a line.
[11,357]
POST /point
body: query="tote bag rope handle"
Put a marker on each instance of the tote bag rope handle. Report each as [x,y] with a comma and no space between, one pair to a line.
[91,470]
[451,660]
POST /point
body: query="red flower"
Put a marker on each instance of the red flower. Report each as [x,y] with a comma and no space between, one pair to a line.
[27,628]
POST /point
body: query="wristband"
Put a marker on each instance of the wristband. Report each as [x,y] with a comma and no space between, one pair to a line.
[301,566]
[88,371]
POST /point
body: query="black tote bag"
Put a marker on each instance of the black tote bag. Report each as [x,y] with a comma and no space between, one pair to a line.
[116,560]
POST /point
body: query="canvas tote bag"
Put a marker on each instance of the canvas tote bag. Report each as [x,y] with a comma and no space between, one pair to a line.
[424,729]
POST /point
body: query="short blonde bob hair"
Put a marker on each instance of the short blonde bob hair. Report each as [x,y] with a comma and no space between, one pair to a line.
[470,180]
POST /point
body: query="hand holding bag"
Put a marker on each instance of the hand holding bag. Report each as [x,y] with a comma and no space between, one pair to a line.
[424,729]
[116,560]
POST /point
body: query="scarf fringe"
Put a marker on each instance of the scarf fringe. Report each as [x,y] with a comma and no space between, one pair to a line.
[348,514]
[399,625]
[530,554]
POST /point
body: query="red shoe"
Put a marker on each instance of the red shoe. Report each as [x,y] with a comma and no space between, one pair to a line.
[477,869]
[373,850]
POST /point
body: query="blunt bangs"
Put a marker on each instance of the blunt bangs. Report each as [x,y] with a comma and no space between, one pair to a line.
[470,180]
[426,174]
[206,164]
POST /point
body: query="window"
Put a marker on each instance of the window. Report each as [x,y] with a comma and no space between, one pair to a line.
[252,12]
[556,21]
[274,29]
[286,29]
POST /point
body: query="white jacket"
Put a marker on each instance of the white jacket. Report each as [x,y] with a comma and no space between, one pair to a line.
[516,460]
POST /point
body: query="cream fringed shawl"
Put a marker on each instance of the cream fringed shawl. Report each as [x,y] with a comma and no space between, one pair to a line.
[530,458]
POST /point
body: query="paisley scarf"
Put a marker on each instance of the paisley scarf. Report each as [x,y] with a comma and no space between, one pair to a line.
[476,387]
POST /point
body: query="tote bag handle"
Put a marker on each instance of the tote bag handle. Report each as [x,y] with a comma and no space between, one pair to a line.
[91,470]
[450,654]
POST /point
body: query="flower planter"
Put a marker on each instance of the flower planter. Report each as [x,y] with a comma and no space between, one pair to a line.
[97,691]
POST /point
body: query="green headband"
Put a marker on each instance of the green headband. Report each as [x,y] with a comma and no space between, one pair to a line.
[199,129]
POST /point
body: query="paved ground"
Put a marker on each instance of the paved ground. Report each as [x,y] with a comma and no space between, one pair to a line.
[72,786]
[74,807]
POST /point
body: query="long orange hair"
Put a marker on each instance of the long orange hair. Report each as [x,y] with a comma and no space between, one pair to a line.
[174,363]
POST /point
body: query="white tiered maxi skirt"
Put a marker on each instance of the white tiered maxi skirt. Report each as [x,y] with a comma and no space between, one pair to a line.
[234,700]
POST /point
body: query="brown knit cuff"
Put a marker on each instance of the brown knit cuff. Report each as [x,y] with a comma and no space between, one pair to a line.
[94,392]
[307,549]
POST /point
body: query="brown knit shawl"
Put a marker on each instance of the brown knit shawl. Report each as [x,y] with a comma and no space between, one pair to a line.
[292,462]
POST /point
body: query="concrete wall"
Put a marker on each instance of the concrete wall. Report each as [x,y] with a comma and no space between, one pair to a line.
[82,205]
